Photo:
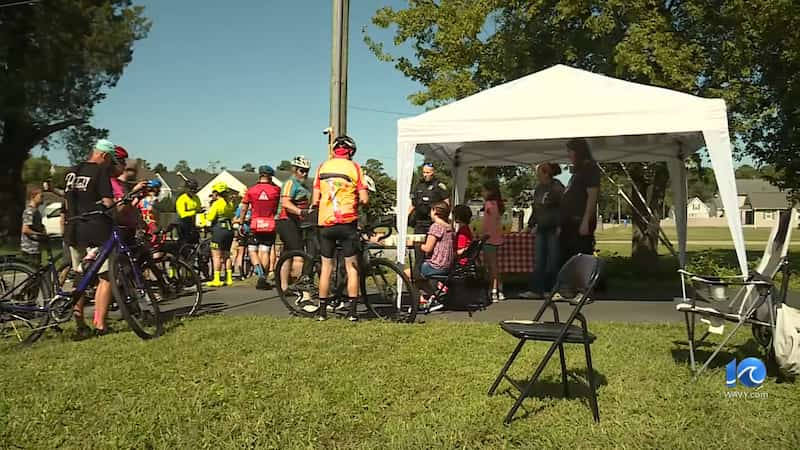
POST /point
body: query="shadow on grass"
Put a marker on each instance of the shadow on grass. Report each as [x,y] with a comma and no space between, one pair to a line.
[552,388]
[704,349]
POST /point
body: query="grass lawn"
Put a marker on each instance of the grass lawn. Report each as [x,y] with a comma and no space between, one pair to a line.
[695,234]
[258,382]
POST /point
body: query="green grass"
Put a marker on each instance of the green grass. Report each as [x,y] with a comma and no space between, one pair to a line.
[694,234]
[257,382]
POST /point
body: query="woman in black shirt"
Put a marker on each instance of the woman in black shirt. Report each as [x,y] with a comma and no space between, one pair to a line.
[579,204]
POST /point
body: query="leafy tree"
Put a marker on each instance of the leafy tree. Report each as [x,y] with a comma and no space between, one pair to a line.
[285,165]
[36,170]
[384,198]
[183,167]
[160,168]
[746,171]
[247,167]
[695,46]
[57,61]
[214,166]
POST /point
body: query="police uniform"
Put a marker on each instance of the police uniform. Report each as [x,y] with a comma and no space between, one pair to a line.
[426,193]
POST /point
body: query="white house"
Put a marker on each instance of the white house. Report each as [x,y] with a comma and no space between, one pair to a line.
[697,209]
[237,180]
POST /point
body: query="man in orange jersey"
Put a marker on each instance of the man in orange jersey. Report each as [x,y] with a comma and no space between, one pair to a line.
[339,190]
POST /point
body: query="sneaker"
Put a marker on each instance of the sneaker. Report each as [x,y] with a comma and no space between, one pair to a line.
[500,297]
[343,306]
[494,297]
[271,276]
[321,318]
[262,284]
[352,318]
[309,307]
[435,306]
[107,330]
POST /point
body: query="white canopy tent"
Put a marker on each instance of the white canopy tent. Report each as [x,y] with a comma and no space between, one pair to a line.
[529,120]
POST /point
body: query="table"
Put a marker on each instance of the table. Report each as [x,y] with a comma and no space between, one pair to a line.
[517,253]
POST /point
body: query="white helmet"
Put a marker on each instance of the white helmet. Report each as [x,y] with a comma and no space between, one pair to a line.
[369,182]
[301,162]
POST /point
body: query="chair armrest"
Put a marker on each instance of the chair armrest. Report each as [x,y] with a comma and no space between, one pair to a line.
[727,277]
[721,281]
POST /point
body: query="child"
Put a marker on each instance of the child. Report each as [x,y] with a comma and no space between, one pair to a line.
[492,226]
[32,229]
[462,215]
[439,245]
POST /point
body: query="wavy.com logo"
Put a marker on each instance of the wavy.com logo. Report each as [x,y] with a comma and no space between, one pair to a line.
[750,372]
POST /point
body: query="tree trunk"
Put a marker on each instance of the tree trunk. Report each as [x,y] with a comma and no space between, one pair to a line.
[12,191]
[644,243]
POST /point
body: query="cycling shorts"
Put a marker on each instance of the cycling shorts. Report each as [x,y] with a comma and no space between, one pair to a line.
[221,238]
[291,235]
[343,234]
[261,241]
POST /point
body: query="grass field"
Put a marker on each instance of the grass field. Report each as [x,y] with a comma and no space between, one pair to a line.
[256,382]
[695,234]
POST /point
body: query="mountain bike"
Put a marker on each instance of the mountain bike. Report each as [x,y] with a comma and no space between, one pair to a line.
[170,279]
[198,256]
[32,301]
[386,292]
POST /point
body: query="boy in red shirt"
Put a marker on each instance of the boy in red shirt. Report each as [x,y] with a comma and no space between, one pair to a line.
[463,216]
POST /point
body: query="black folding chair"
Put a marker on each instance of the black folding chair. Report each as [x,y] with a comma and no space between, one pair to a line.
[579,274]
[468,273]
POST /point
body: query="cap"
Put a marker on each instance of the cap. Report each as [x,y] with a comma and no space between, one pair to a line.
[266,170]
[104,145]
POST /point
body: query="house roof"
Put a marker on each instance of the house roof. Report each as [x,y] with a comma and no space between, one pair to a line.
[768,200]
[175,181]
[747,186]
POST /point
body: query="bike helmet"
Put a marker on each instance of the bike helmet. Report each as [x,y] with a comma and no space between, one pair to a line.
[154,184]
[370,183]
[219,187]
[119,155]
[301,162]
[192,185]
[266,170]
[345,142]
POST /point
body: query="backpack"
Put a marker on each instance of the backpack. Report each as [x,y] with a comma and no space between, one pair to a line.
[786,342]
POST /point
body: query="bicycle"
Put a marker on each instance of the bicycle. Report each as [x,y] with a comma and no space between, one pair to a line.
[386,292]
[37,303]
[170,276]
[198,256]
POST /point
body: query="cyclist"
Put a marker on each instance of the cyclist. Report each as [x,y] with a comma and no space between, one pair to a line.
[88,189]
[339,189]
[147,206]
[241,226]
[294,203]
[188,206]
[220,216]
[262,199]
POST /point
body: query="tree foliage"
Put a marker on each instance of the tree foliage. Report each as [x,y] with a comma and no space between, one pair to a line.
[285,166]
[747,52]
[58,59]
[183,167]
[160,168]
[36,170]
[247,167]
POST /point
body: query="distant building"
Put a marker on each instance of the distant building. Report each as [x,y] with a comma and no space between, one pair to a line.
[760,202]
[172,183]
[697,209]
[237,180]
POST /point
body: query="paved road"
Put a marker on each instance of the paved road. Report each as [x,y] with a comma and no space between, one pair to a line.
[709,243]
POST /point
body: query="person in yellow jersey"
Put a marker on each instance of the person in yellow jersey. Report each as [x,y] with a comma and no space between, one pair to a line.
[188,207]
[220,216]
[339,190]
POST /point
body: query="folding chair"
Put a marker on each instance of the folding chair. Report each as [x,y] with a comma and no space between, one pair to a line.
[738,299]
[580,273]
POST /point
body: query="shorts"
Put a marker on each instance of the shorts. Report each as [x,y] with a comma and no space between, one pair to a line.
[343,234]
[291,235]
[79,253]
[187,232]
[243,239]
[427,270]
[261,241]
[490,248]
[221,238]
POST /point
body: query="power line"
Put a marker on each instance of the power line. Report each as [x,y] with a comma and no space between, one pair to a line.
[381,111]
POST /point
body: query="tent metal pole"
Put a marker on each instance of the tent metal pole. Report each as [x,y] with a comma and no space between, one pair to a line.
[662,237]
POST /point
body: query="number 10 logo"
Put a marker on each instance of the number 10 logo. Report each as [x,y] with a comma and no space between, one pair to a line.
[751,372]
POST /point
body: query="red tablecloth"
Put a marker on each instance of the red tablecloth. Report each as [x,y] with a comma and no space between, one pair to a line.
[516,253]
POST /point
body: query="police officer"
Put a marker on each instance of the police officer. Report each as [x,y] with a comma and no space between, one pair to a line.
[427,192]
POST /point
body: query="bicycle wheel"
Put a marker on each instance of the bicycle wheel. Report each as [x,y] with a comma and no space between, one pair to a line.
[138,308]
[379,285]
[185,284]
[301,293]
[23,300]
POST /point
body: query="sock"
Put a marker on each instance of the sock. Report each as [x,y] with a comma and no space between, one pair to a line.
[323,308]
[259,271]
[216,276]
[353,302]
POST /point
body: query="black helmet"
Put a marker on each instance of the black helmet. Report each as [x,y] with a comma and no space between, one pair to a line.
[192,185]
[345,142]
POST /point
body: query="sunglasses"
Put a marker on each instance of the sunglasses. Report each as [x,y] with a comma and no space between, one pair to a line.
[301,170]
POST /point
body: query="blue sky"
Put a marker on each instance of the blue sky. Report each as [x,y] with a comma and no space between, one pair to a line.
[249,83]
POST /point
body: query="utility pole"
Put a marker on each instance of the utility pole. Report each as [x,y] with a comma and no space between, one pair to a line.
[339,56]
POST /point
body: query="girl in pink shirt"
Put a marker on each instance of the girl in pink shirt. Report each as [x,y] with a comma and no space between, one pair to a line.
[493,209]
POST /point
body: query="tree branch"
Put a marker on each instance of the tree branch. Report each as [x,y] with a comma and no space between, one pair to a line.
[43,132]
